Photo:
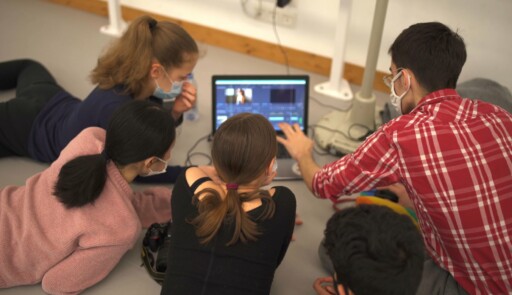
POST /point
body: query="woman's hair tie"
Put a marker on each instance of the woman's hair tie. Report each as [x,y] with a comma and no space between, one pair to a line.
[231,186]
[152,24]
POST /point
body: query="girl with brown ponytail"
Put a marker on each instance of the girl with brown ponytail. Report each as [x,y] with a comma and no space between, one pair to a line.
[151,61]
[229,238]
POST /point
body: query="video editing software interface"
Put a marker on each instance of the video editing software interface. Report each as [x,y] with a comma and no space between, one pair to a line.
[278,98]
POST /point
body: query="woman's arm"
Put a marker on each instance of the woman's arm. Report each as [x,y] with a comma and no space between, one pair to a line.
[82,269]
[153,205]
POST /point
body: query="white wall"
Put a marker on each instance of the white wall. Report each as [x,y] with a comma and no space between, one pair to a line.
[485,26]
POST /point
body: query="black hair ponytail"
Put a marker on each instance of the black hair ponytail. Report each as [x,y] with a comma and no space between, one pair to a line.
[81,180]
[136,131]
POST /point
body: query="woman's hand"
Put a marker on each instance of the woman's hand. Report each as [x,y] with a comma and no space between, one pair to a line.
[185,101]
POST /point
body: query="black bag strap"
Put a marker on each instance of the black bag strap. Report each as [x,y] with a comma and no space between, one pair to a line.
[148,261]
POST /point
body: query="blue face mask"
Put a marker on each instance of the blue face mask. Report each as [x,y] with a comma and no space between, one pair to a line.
[171,94]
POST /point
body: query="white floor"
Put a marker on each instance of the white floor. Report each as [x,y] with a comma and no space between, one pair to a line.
[68,42]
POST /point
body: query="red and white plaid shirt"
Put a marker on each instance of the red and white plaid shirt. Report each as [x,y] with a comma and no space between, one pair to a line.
[454,157]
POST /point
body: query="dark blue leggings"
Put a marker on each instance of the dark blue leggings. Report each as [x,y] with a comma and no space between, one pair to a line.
[34,86]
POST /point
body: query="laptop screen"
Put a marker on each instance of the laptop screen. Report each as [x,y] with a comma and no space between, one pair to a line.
[279,98]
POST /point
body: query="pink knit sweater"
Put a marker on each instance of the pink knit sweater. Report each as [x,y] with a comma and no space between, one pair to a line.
[69,250]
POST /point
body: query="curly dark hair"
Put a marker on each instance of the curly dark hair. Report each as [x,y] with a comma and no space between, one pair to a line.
[375,250]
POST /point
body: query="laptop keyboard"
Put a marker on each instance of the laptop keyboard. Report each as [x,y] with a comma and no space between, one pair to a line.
[282,153]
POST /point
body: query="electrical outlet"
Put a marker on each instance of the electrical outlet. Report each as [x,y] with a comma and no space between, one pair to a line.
[286,16]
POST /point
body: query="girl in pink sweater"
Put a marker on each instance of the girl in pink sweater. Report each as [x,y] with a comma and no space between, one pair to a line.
[71,224]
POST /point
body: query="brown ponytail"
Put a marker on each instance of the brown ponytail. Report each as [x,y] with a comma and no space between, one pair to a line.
[214,211]
[242,150]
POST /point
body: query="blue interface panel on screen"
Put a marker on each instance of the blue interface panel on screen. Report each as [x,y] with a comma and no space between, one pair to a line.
[279,98]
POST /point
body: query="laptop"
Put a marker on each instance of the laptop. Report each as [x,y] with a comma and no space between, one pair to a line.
[279,98]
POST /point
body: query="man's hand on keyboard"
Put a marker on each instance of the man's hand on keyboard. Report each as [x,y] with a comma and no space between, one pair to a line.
[296,142]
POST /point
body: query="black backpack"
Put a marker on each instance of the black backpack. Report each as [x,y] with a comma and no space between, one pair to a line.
[155,248]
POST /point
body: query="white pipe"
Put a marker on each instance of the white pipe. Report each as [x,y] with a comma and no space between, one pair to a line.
[373,48]
[117,25]
[340,41]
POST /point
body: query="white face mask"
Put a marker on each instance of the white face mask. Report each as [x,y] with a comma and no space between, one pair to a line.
[396,100]
[274,167]
[151,172]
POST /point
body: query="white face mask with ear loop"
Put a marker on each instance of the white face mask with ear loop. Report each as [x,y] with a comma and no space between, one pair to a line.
[396,100]
[274,166]
[151,172]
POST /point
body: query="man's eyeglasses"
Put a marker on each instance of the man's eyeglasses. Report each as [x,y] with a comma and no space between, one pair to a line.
[389,79]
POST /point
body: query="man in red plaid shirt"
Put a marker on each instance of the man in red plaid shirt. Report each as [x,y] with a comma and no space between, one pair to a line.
[453,155]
